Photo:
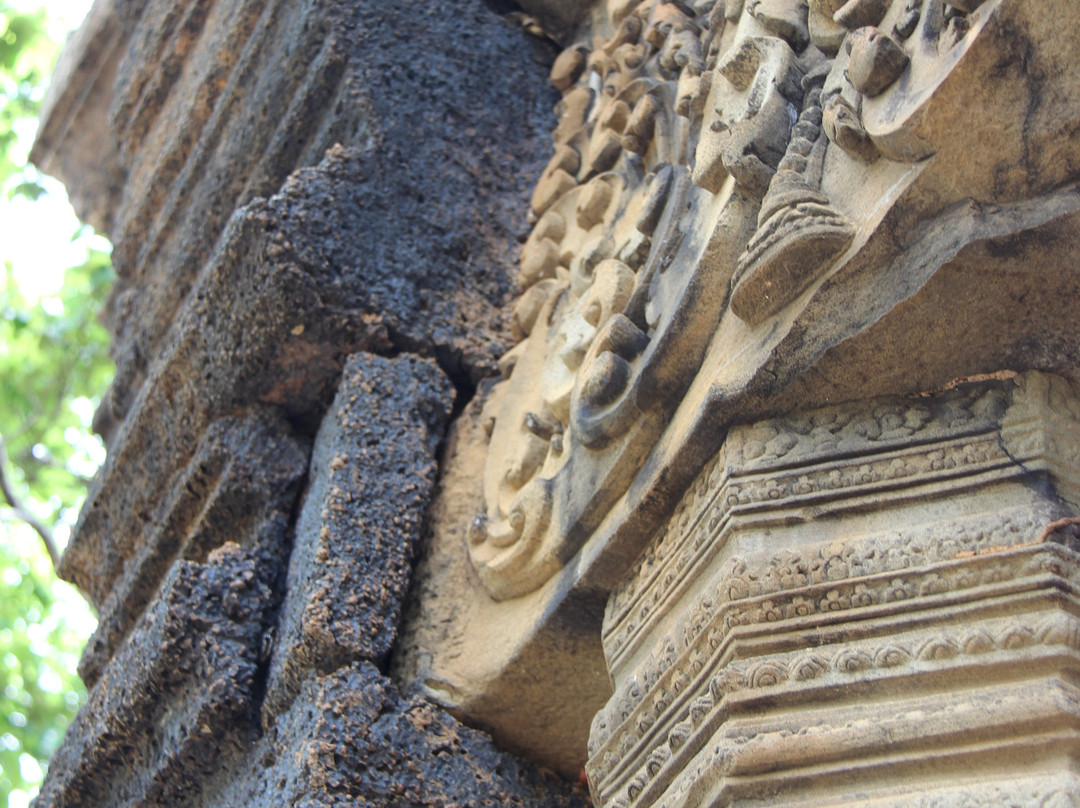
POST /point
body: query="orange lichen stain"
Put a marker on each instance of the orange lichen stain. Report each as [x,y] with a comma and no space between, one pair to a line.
[1057,525]
[994,550]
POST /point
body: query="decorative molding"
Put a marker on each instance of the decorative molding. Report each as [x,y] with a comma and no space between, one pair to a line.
[682,719]
[841,457]
[688,157]
[775,544]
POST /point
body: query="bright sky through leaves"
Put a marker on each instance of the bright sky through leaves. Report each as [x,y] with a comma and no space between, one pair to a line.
[52,367]
[36,236]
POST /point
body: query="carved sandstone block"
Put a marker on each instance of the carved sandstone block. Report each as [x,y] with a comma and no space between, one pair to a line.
[781,221]
[904,553]
[533,680]
[754,210]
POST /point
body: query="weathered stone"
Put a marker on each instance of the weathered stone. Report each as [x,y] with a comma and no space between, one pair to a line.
[786,281]
[533,679]
[807,574]
[372,471]
[202,127]
[350,294]
[228,349]
[724,264]
[556,18]
[73,139]
[350,739]
[240,486]
[286,182]
[179,699]
[755,210]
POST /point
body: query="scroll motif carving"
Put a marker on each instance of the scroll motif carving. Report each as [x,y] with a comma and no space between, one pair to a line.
[877,659]
[618,303]
[692,185]
[770,585]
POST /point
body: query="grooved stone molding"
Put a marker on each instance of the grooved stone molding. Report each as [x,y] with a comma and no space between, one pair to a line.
[900,553]
[316,208]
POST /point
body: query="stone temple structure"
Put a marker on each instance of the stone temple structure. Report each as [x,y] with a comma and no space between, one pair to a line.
[619,402]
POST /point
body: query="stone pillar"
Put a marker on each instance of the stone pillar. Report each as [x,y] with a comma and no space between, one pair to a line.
[866,604]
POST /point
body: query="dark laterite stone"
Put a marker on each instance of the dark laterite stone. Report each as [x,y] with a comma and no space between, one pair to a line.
[178,699]
[372,471]
[350,739]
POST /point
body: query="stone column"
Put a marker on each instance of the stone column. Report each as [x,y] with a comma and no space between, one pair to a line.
[866,604]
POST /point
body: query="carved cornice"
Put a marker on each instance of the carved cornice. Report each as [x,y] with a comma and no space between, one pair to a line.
[805,466]
[711,610]
[685,707]
[718,167]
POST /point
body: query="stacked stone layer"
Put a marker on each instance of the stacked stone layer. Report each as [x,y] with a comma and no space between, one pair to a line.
[867,604]
[315,207]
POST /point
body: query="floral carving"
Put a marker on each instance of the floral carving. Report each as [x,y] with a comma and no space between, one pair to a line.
[945,446]
[870,657]
[689,156]
[990,427]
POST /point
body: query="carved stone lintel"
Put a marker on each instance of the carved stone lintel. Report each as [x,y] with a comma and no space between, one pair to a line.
[754,209]
[760,264]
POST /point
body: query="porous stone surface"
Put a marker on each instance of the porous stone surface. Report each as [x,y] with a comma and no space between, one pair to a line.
[200,127]
[287,183]
[349,738]
[239,486]
[178,698]
[426,180]
[371,475]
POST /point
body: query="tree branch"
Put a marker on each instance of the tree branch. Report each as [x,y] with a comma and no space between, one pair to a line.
[22,512]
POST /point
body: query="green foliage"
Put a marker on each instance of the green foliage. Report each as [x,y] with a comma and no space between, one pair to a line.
[25,53]
[38,651]
[50,355]
[53,364]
